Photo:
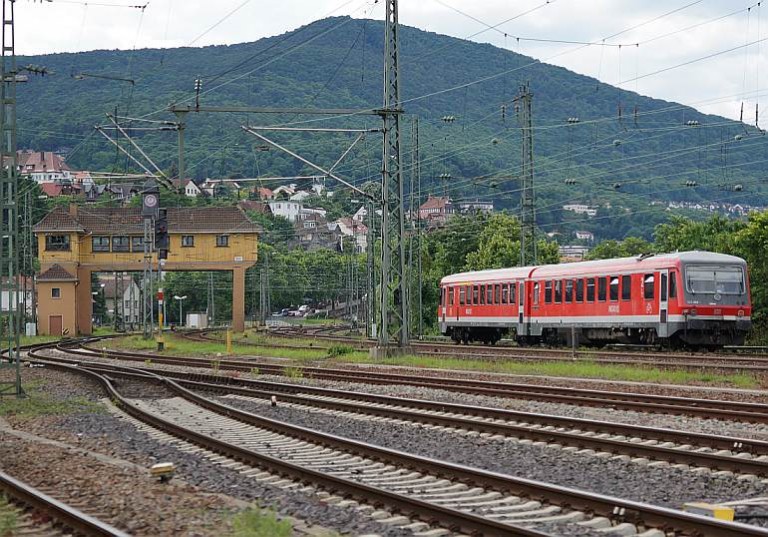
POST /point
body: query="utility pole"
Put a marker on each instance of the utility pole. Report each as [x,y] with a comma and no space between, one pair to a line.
[210,308]
[417,173]
[394,336]
[370,248]
[9,205]
[528,225]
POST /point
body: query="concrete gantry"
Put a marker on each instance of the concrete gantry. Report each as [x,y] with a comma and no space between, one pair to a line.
[77,242]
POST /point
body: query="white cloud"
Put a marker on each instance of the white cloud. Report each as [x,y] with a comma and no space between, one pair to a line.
[64,27]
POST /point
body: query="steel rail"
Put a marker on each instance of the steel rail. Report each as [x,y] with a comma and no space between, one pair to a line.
[708,408]
[287,392]
[65,515]
[614,508]
[452,518]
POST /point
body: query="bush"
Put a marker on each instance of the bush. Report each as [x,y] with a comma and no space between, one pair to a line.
[339,350]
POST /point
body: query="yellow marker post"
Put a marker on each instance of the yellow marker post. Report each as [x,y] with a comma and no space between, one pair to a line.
[229,341]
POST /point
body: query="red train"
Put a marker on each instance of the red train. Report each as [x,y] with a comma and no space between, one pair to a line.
[687,299]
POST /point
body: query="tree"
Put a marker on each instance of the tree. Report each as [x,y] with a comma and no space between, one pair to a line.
[611,249]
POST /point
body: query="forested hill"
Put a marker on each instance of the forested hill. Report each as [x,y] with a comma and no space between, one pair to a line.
[625,151]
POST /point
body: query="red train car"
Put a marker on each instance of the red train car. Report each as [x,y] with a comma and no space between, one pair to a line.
[693,299]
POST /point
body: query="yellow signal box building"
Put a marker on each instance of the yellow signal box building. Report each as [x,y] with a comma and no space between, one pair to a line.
[73,243]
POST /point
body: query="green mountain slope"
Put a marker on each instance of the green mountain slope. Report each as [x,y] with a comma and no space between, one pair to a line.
[622,162]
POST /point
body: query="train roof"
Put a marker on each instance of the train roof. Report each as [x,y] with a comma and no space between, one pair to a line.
[594,267]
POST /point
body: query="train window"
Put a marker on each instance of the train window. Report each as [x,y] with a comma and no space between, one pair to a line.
[601,288]
[482,294]
[548,292]
[672,285]
[497,291]
[579,290]
[442,296]
[648,286]
[522,294]
[614,293]
[590,290]
[568,291]
[450,296]
[663,287]
[476,295]
[489,295]
[505,294]
[512,289]
[462,295]
[558,291]
[536,289]
[626,287]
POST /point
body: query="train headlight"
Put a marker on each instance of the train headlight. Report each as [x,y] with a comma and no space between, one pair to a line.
[693,312]
[740,313]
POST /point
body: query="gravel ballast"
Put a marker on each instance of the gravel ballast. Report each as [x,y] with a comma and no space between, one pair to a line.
[663,486]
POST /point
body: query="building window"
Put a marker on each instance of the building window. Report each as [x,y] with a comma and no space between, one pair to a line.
[222,241]
[137,244]
[100,244]
[56,292]
[120,244]
[188,241]
[57,243]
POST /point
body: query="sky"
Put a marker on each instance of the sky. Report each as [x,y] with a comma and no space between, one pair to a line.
[669,49]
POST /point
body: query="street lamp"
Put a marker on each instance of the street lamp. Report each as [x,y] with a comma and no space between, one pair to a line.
[181,310]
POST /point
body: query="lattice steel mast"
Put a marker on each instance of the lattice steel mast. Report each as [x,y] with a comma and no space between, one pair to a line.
[394,331]
[12,317]
[528,225]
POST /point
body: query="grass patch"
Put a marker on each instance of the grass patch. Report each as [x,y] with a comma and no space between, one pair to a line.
[9,518]
[34,340]
[256,522]
[38,403]
[575,369]
[175,345]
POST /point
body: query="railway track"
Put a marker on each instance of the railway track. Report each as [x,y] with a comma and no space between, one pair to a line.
[41,515]
[755,362]
[706,408]
[464,499]
[747,457]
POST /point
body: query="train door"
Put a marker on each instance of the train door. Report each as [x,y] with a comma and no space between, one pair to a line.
[447,296]
[663,303]
[522,318]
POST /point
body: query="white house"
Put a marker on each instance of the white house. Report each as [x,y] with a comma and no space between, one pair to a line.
[349,227]
[307,212]
[191,190]
[290,210]
[43,166]
[585,236]
[580,208]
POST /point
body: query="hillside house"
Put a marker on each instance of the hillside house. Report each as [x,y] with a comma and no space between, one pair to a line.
[436,209]
[43,166]
[580,208]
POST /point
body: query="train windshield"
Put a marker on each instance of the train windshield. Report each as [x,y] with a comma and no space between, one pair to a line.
[723,280]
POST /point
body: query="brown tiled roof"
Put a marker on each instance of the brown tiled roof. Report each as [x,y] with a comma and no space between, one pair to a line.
[55,273]
[128,220]
[58,220]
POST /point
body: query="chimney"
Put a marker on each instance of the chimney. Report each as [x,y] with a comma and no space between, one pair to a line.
[73,210]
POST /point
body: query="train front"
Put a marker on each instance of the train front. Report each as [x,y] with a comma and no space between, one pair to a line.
[715,309]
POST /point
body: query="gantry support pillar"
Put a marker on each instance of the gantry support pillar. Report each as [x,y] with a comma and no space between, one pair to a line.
[238,299]
[84,300]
